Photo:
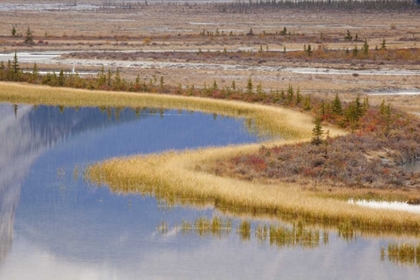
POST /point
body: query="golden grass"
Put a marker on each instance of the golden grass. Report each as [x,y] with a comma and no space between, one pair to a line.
[281,236]
[181,177]
[269,120]
[405,253]
[176,177]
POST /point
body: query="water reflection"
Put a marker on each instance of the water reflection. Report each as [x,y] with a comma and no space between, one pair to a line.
[281,236]
[27,133]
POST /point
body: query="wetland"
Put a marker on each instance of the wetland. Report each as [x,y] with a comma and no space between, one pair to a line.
[55,224]
[209,140]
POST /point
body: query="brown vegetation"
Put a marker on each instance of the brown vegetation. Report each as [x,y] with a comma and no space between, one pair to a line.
[372,157]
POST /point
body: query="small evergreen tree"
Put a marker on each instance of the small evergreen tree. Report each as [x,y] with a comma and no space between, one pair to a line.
[249,86]
[282,94]
[283,32]
[290,94]
[101,80]
[117,80]
[365,104]
[215,86]
[162,83]
[336,106]
[348,36]
[307,103]
[309,50]
[14,32]
[355,51]
[260,89]
[109,78]
[382,107]
[61,78]
[35,72]
[317,132]
[29,40]
[137,83]
[298,96]
[15,64]
[383,45]
[365,48]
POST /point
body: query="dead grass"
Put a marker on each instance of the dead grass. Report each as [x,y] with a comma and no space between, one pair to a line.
[178,177]
[270,120]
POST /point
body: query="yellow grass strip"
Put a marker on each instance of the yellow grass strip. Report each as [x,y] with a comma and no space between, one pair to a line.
[287,123]
[176,176]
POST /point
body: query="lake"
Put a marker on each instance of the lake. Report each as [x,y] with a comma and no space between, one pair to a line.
[54,225]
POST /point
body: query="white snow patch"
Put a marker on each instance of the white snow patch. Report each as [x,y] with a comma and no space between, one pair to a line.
[394,205]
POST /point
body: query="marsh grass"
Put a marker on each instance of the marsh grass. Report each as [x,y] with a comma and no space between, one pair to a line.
[402,253]
[269,120]
[296,235]
[346,231]
[180,177]
[163,227]
[244,230]
[216,227]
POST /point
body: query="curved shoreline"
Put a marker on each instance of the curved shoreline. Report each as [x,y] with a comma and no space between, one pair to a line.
[179,177]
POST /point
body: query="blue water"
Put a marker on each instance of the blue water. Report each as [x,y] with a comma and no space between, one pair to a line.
[53,225]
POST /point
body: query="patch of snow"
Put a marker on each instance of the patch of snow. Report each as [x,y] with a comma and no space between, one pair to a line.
[394,205]
[396,92]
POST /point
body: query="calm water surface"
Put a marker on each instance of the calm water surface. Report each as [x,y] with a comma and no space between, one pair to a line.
[53,225]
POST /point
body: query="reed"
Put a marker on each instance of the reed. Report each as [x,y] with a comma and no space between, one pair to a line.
[296,235]
[402,253]
[163,227]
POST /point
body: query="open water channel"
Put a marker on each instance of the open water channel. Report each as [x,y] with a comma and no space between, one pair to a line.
[54,225]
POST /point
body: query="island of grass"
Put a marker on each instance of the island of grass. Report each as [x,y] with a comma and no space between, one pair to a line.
[380,138]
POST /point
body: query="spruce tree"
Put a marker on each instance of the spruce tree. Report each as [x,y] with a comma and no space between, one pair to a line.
[365,48]
[317,132]
[307,103]
[61,78]
[35,72]
[298,96]
[290,94]
[29,40]
[15,64]
[249,86]
[383,45]
[337,108]
[162,83]
[309,50]
[215,86]
[260,90]
[355,51]
[348,36]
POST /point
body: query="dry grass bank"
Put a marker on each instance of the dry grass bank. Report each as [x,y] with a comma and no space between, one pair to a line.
[178,177]
[269,120]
